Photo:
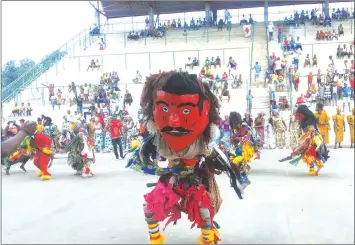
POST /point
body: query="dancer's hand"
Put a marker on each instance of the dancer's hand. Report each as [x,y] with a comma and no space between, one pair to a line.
[29,127]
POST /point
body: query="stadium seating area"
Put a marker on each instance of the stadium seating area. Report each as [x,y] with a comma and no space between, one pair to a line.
[151,55]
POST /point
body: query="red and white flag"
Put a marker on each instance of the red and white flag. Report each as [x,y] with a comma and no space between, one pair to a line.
[247,30]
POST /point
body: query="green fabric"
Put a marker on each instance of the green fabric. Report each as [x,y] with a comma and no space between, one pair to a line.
[296,160]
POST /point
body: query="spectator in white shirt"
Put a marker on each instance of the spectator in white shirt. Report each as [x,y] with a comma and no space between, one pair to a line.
[226,14]
[270,29]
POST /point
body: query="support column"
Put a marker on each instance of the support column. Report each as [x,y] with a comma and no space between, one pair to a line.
[151,16]
[266,12]
[207,11]
[325,8]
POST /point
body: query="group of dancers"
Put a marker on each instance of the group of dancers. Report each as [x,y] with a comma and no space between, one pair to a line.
[180,123]
[41,147]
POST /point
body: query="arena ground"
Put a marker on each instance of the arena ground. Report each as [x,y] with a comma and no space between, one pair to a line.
[282,205]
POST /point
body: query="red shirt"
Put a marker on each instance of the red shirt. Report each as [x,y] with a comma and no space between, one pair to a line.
[352,83]
[279,29]
[101,117]
[115,128]
[224,76]
[51,90]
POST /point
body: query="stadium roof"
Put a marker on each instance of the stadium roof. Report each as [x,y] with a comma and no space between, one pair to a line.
[119,9]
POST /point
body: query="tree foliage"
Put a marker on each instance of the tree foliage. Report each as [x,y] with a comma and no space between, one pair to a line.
[12,70]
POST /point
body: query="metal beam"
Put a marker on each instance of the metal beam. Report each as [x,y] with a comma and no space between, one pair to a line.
[98,10]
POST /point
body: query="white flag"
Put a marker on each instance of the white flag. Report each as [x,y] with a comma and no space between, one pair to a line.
[247,30]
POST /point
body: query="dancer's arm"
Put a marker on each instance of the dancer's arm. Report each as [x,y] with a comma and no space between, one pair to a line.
[10,145]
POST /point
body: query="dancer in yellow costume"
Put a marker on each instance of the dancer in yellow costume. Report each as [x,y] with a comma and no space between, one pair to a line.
[351,122]
[339,127]
[322,122]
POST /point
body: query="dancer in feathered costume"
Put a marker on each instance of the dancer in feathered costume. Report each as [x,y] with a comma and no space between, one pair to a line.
[245,146]
[81,154]
[22,155]
[182,114]
[311,148]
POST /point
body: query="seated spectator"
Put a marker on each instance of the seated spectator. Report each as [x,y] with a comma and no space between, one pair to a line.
[195,62]
[92,65]
[208,70]
[320,20]
[217,62]
[207,62]
[224,76]
[335,35]
[307,61]
[64,139]
[329,36]
[327,21]
[321,35]
[340,30]
[16,111]
[345,52]
[220,25]
[179,23]
[318,36]
[298,44]
[243,20]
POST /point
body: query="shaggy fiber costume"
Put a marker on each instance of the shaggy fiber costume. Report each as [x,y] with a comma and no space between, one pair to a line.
[182,114]
[81,154]
[311,148]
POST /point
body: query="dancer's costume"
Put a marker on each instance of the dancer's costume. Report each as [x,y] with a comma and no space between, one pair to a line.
[81,154]
[311,148]
[22,155]
[182,114]
[245,146]
[43,154]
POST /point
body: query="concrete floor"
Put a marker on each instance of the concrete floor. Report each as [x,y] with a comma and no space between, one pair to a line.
[282,205]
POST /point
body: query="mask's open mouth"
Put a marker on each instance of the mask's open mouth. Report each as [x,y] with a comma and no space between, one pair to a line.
[176,131]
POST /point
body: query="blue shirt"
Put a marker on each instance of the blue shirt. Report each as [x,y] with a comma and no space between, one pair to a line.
[249,98]
[346,91]
[257,68]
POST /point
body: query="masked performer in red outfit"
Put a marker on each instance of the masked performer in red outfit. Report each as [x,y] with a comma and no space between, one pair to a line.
[42,145]
[182,116]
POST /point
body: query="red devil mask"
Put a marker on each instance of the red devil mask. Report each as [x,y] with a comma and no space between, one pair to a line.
[180,119]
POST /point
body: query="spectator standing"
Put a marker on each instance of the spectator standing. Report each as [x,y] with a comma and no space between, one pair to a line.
[249,101]
[270,29]
[346,92]
[226,14]
[257,69]
[115,126]
[279,33]
[229,22]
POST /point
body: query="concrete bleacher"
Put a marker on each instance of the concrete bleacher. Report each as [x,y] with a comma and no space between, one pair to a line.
[150,56]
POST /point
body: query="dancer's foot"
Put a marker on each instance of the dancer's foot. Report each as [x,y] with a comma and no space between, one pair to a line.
[45,177]
[312,172]
[39,173]
[23,168]
[157,240]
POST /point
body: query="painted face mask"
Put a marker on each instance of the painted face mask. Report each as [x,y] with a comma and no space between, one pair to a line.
[179,118]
